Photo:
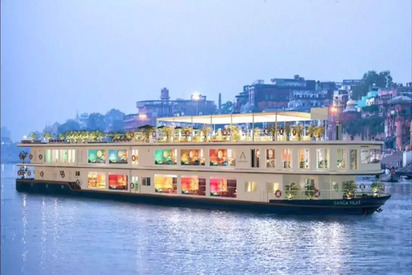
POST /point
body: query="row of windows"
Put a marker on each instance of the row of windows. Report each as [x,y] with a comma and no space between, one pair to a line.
[221,157]
[190,185]
[196,185]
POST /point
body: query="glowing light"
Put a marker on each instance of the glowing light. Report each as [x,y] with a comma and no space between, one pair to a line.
[196,96]
[333,109]
[142,116]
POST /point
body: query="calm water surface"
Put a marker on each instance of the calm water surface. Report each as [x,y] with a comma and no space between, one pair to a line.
[57,235]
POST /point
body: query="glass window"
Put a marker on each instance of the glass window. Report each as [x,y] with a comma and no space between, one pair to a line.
[272,187]
[250,186]
[165,184]
[67,156]
[222,157]
[304,158]
[118,181]
[134,185]
[270,158]
[193,185]
[364,156]
[192,157]
[135,156]
[322,158]
[255,156]
[221,187]
[96,180]
[47,156]
[341,159]
[287,158]
[118,156]
[353,159]
[374,155]
[96,156]
[146,181]
[55,156]
[165,156]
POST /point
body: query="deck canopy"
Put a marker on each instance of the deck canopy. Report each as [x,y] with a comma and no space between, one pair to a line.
[284,116]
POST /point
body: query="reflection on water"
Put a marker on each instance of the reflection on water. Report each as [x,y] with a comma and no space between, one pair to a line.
[58,235]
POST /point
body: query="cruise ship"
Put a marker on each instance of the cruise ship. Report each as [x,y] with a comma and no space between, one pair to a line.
[278,162]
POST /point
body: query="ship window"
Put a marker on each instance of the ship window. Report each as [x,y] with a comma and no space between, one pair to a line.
[353,159]
[96,156]
[118,156]
[193,185]
[165,156]
[47,156]
[255,157]
[96,180]
[77,173]
[370,156]
[222,157]
[250,186]
[287,158]
[304,158]
[146,181]
[341,159]
[192,157]
[55,155]
[67,156]
[322,156]
[221,187]
[135,156]
[270,158]
[118,181]
[272,187]
[134,185]
[165,184]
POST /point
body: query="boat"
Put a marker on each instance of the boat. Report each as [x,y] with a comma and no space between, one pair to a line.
[277,162]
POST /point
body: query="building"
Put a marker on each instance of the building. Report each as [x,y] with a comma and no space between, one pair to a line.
[283,94]
[398,121]
[149,110]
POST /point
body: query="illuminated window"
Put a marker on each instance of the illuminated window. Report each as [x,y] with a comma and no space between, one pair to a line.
[135,156]
[165,184]
[96,156]
[353,159]
[192,157]
[165,156]
[54,155]
[193,185]
[118,156]
[47,156]
[287,158]
[272,187]
[222,157]
[270,158]
[67,156]
[341,159]
[304,158]
[255,157]
[322,156]
[250,186]
[118,181]
[134,184]
[96,180]
[221,187]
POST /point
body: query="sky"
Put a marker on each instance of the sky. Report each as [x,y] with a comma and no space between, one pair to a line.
[59,57]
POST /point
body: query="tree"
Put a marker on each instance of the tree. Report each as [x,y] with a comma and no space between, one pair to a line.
[114,120]
[227,108]
[370,79]
[96,121]
[69,125]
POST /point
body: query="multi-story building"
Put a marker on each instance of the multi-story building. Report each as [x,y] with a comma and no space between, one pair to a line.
[284,93]
[149,110]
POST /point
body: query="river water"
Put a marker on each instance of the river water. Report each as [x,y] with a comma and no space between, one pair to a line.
[58,235]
